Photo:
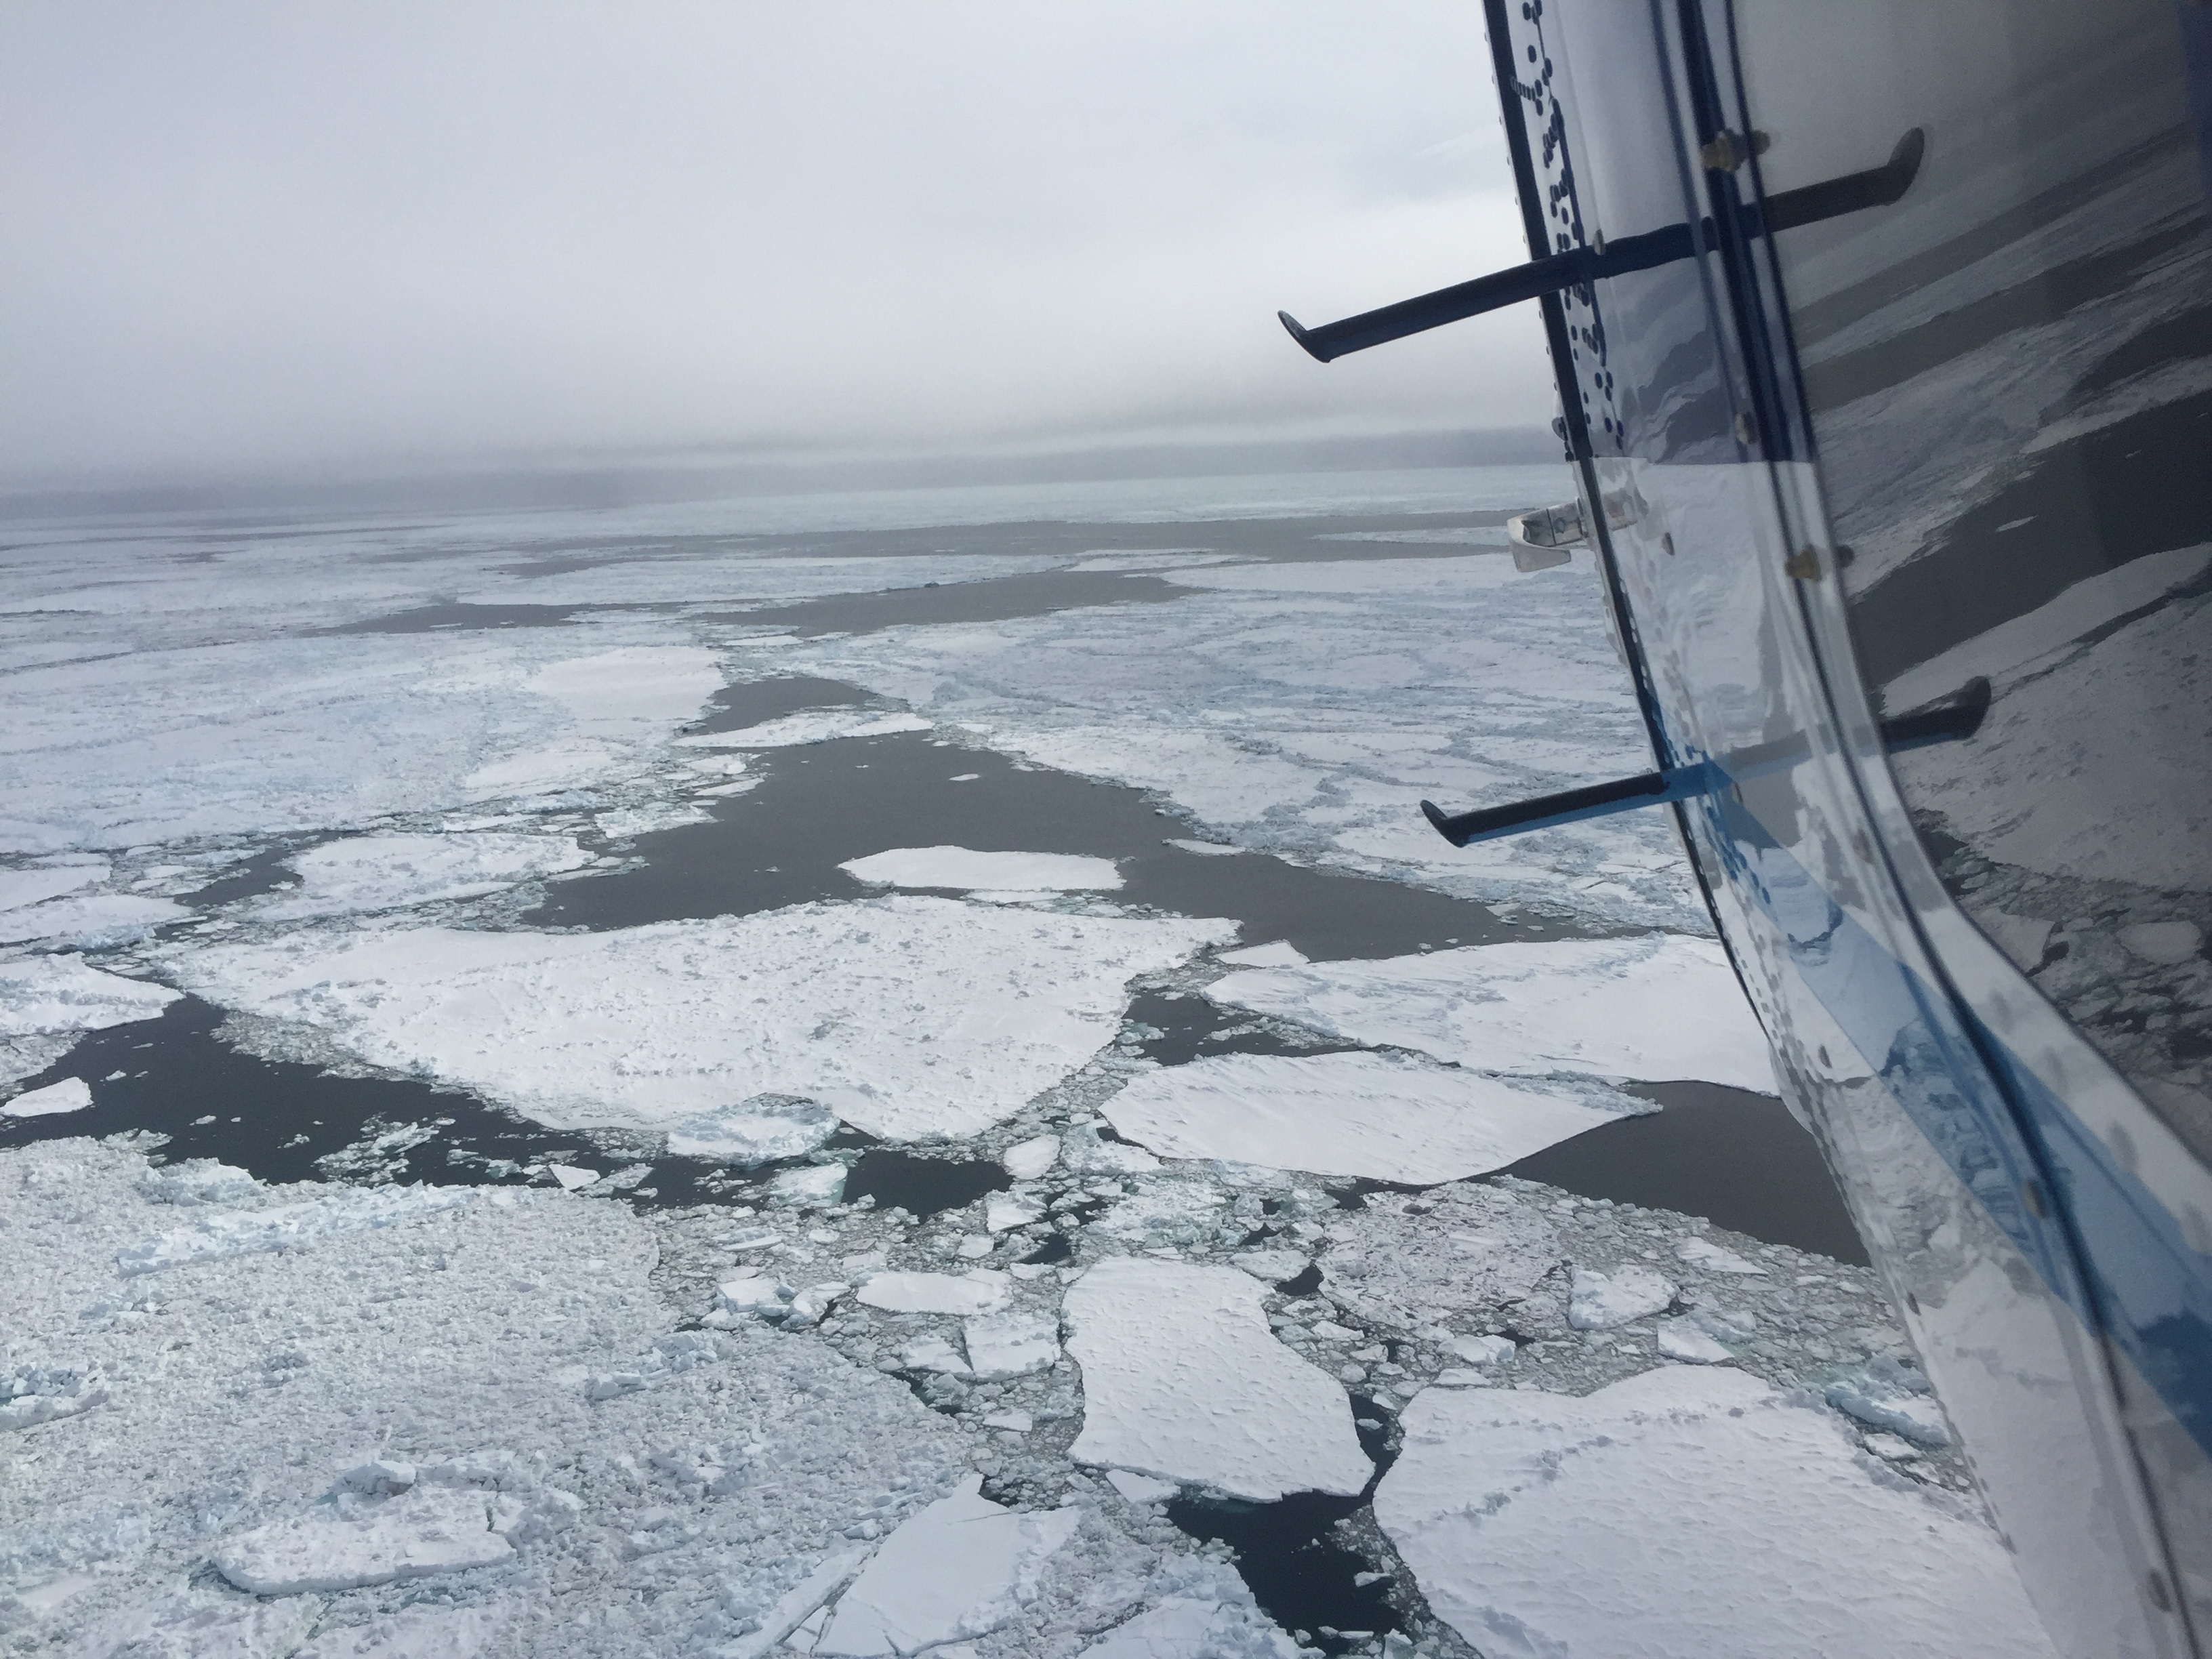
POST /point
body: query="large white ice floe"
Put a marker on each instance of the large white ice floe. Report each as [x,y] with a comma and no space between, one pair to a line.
[1183,1379]
[387,873]
[961,1568]
[964,868]
[71,1094]
[815,725]
[1652,1008]
[979,1291]
[274,735]
[755,1131]
[1693,1513]
[1371,1115]
[19,888]
[47,1001]
[910,1018]
[91,921]
[1188,1627]
[1599,1301]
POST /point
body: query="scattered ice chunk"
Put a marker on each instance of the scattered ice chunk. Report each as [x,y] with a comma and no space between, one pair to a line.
[1003,872]
[1183,1379]
[1891,1449]
[46,996]
[1484,1350]
[1011,1343]
[197,1180]
[1087,1151]
[1660,1006]
[1378,1116]
[71,1094]
[1884,1394]
[626,824]
[47,1394]
[933,1353]
[974,1247]
[1703,1253]
[1682,1339]
[214,1234]
[817,1184]
[1141,1488]
[1272,1266]
[1018,1422]
[910,1018]
[753,1132]
[92,922]
[1028,1160]
[2168,944]
[207,1625]
[980,1291]
[385,872]
[961,1567]
[1003,1211]
[1462,1376]
[1725,1522]
[1280,954]
[572,1176]
[1600,1301]
[749,1293]
[819,726]
[811,1305]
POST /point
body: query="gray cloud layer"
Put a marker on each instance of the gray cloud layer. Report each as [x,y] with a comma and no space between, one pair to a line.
[398,235]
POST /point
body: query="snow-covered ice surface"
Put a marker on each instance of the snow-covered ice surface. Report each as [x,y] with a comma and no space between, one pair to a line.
[1708,1513]
[397,871]
[946,1017]
[1652,1008]
[1182,1380]
[71,1094]
[962,867]
[1363,1114]
[46,1002]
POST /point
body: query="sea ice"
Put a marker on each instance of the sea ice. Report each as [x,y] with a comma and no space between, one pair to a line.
[1271,1266]
[815,1184]
[1003,1211]
[1375,1116]
[571,1176]
[44,1394]
[1731,1523]
[799,1605]
[1004,872]
[820,726]
[961,1567]
[1183,1379]
[979,1292]
[71,1094]
[910,1018]
[1280,954]
[1484,1350]
[1010,1344]
[387,873]
[1884,1394]
[1141,1488]
[1664,1005]
[1183,1627]
[91,921]
[1703,1253]
[21,887]
[1600,1301]
[1682,1340]
[753,1132]
[1027,1160]
[210,1624]
[213,1234]
[344,1544]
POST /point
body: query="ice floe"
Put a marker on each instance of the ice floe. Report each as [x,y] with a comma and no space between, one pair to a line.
[910,1018]
[819,726]
[1026,1160]
[47,1001]
[1010,1344]
[960,1568]
[753,1132]
[353,1541]
[1280,954]
[91,921]
[29,886]
[385,872]
[964,868]
[1182,1380]
[71,1094]
[1378,1116]
[979,1292]
[1660,1006]
[1599,1301]
[1732,1521]
[1184,1628]
[213,1234]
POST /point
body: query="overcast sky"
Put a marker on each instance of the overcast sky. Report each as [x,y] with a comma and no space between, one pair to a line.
[350,238]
